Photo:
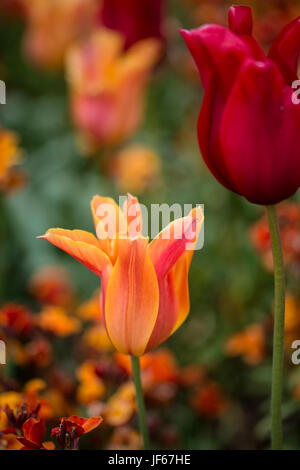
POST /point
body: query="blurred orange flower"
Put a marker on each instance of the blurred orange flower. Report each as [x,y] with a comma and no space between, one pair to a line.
[108,85]
[9,441]
[157,367]
[56,320]
[9,152]
[52,26]
[51,285]
[91,387]
[121,406]
[125,438]
[289,224]
[249,343]
[291,320]
[11,177]
[91,310]
[136,169]
[97,338]
[144,286]
[37,352]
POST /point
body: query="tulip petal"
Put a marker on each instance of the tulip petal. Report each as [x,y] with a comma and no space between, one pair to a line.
[83,246]
[133,215]
[180,273]
[172,261]
[215,50]
[240,20]
[285,50]
[109,224]
[219,55]
[132,298]
[259,135]
[108,217]
[167,313]
[171,243]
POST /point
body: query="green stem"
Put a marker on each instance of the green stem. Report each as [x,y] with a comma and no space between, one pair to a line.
[278,334]
[136,372]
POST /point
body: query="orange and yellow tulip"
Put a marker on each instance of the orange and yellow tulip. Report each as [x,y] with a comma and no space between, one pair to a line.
[144,285]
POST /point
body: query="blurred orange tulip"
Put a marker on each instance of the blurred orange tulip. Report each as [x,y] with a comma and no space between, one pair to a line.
[52,27]
[144,286]
[108,85]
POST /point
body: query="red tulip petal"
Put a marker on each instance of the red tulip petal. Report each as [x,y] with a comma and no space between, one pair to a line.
[219,54]
[285,50]
[217,51]
[240,20]
[132,298]
[259,135]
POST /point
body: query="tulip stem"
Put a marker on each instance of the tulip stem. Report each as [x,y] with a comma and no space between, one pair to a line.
[278,333]
[136,372]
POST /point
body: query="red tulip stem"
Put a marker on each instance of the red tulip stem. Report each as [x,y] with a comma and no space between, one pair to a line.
[136,373]
[278,333]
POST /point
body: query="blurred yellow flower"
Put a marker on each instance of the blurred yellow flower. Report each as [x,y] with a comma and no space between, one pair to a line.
[91,387]
[91,309]
[13,400]
[137,169]
[108,85]
[121,406]
[97,338]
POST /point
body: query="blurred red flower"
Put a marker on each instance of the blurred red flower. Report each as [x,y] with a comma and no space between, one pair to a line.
[135,19]
[15,319]
[70,430]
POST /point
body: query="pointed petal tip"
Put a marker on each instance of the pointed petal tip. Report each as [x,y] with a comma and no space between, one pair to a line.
[240,19]
[185,33]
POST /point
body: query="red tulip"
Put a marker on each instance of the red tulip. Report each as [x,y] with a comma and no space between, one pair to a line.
[248,126]
[135,19]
